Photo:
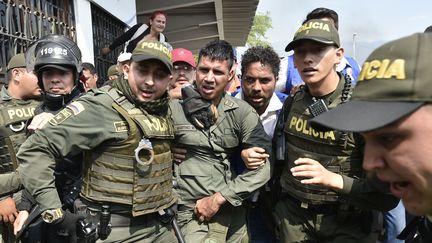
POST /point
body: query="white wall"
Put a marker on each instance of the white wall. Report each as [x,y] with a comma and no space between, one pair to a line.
[122,9]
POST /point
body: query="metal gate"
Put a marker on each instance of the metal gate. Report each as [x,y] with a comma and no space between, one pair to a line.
[106,28]
[24,21]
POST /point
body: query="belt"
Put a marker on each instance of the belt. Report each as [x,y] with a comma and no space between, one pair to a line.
[317,208]
[124,220]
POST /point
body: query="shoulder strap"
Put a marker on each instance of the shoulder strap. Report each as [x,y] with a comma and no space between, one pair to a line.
[279,136]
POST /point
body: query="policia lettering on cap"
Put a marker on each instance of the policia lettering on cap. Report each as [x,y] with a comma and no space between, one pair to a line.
[320,173]
[125,131]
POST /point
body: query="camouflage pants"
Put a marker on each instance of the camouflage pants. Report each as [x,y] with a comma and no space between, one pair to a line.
[228,225]
[297,224]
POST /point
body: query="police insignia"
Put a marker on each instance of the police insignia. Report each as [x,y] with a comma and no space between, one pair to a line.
[76,107]
[60,117]
[120,126]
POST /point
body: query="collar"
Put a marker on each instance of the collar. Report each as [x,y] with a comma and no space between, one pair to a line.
[4,94]
[343,64]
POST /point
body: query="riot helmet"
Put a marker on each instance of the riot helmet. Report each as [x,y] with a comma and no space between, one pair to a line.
[54,51]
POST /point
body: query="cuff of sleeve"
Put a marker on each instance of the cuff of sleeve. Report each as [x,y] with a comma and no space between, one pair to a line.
[347,184]
[49,200]
[231,197]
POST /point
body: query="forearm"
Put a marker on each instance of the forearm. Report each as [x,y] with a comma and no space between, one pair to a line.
[244,184]
[366,194]
[10,183]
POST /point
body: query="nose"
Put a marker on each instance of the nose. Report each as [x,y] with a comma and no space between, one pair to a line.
[210,77]
[373,158]
[256,86]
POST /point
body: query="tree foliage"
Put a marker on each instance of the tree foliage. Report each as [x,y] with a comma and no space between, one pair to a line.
[261,23]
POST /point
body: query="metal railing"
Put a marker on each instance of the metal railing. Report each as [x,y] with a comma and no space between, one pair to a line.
[105,29]
[24,21]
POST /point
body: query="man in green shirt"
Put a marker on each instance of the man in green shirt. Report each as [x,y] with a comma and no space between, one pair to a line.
[325,194]
[17,105]
[212,126]
[125,132]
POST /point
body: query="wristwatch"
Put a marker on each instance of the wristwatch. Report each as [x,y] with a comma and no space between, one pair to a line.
[52,215]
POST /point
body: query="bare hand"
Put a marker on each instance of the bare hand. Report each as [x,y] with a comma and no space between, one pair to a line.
[207,207]
[179,153]
[105,51]
[20,220]
[40,120]
[317,174]
[8,210]
[254,157]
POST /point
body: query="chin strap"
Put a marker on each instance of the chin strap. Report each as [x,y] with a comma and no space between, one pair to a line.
[55,102]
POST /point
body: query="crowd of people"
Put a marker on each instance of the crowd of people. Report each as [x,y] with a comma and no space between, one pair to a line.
[177,149]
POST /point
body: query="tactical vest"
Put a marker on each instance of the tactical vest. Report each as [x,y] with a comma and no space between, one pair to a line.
[13,117]
[335,150]
[112,174]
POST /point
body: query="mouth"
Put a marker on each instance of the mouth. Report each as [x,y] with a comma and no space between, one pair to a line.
[399,188]
[55,89]
[207,89]
[146,93]
[309,71]
[257,99]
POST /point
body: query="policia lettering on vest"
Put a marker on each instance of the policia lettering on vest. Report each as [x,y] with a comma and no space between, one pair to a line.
[325,194]
[122,200]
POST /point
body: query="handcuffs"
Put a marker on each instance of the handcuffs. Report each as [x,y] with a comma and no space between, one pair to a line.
[144,144]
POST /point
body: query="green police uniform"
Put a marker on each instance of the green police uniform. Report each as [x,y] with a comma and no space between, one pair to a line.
[13,116]
[207,170]
[313,212]
[108,128]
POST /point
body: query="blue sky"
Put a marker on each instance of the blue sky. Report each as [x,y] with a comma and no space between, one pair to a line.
[374,21]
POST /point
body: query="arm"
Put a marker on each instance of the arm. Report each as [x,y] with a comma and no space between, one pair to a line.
[366,193]
[252,134]
[124,37]
[65,134]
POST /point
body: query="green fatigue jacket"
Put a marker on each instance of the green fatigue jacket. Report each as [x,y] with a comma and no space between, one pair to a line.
[14,114]
[90,123]
[206,168]
[339,152]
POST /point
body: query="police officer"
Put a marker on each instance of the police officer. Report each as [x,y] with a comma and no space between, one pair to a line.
[125,133]
[391,108]
[17,105]
[325,196]
[57,62]
[212,125]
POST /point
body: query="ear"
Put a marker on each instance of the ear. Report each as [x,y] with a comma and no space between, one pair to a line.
[339,55]
[126,69]
[231,74]
[16,75]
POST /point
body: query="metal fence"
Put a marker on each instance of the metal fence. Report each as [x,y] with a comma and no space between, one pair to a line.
[105,29]
[24,21]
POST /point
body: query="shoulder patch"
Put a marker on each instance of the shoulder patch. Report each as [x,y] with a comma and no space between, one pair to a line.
[120,126]
[76,107]
[61,117]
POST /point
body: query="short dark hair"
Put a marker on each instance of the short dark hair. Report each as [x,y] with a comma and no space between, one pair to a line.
[264,55]
[90,67]
[320,13]
[218,50]
[428,29]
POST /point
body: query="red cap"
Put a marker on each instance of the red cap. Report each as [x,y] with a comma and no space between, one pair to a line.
[183,55]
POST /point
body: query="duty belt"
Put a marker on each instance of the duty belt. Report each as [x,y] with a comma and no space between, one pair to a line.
[124,220]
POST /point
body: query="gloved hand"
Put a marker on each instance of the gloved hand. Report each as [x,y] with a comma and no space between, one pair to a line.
[68,223]
[197,109]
